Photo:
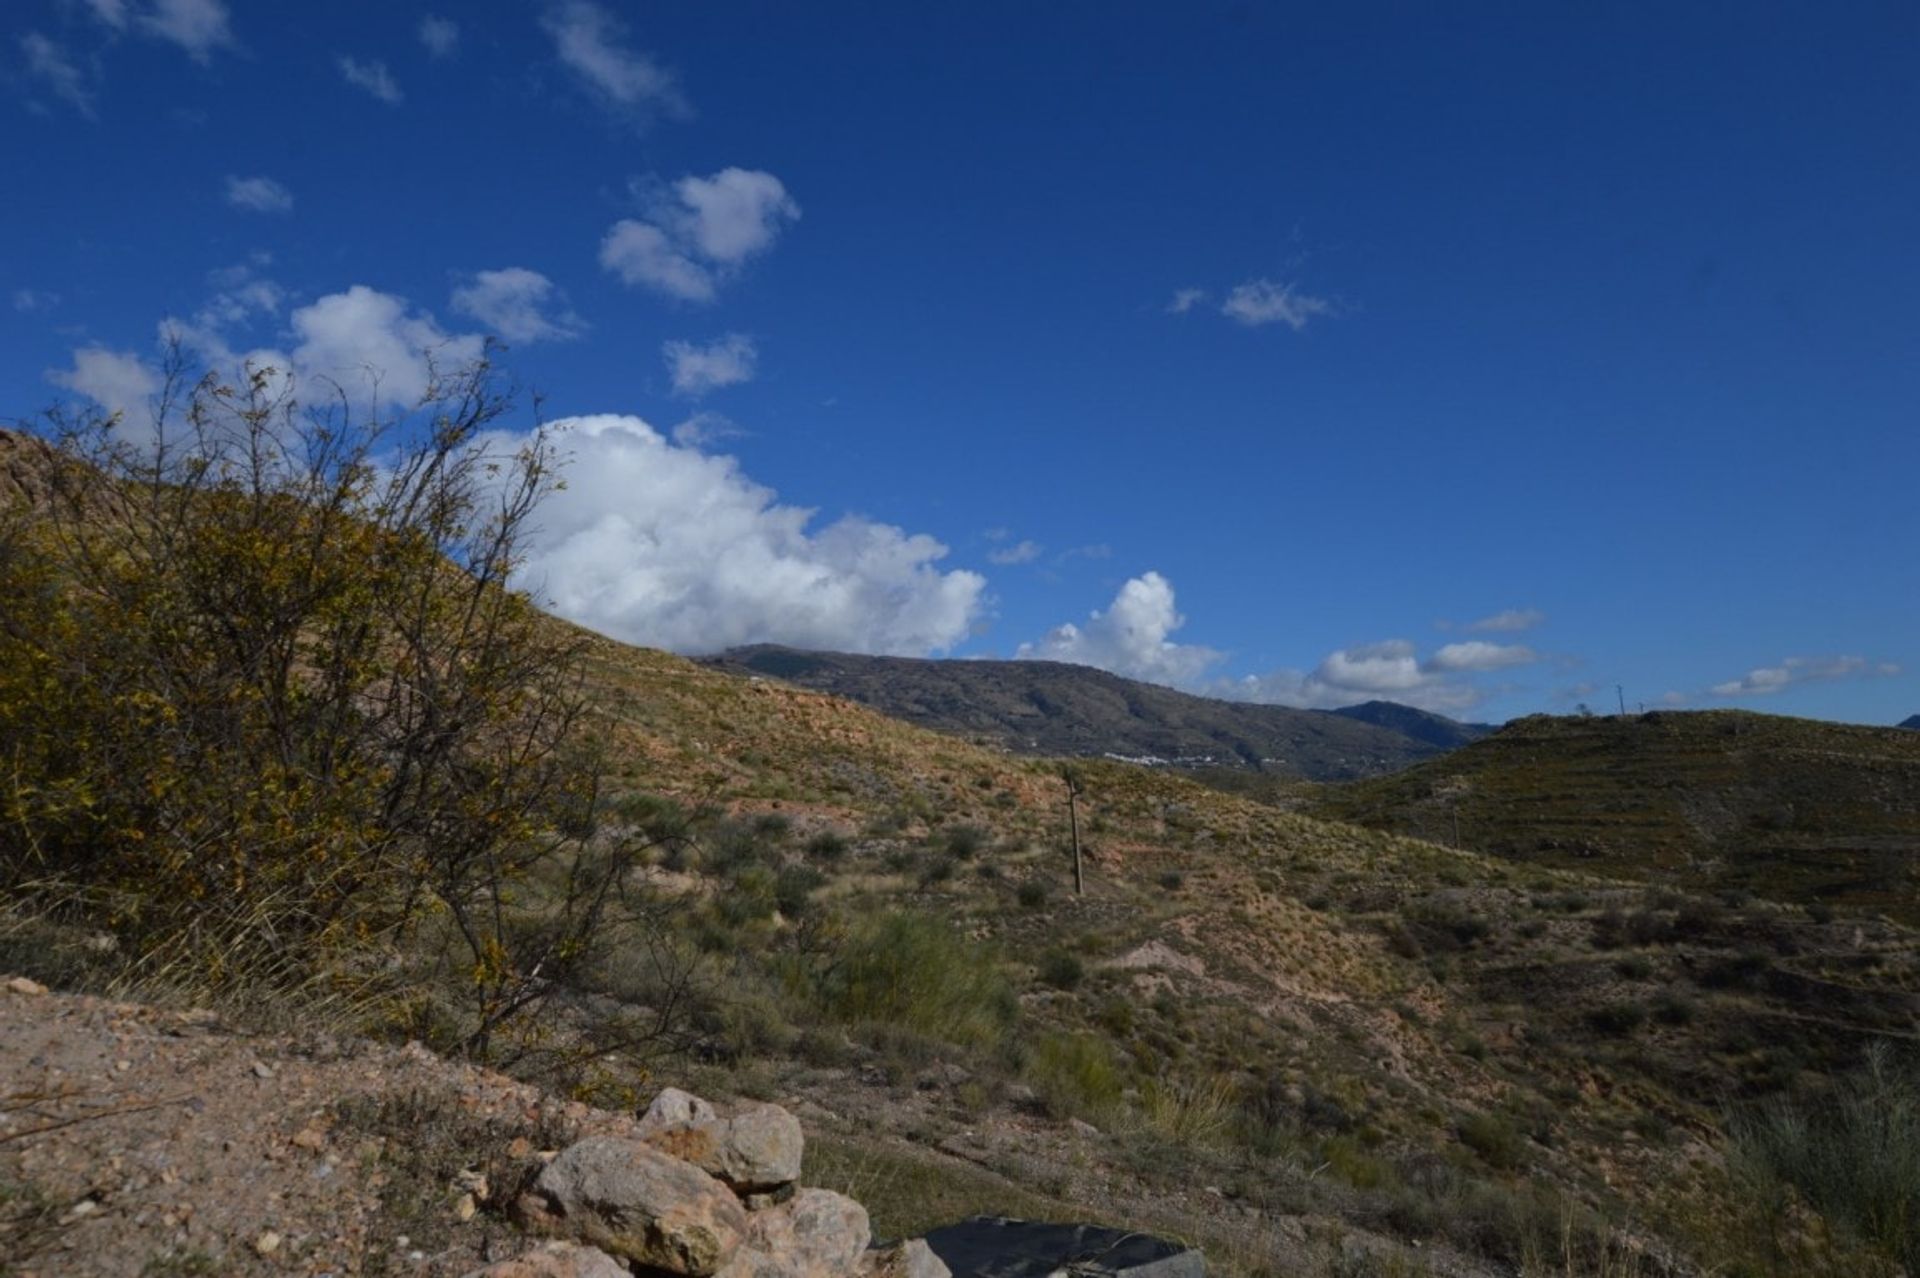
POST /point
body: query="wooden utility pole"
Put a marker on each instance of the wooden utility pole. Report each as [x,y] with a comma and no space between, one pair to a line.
[1073,826]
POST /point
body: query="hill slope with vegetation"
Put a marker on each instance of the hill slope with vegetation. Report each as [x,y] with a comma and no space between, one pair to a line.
[1311,1047]
[1049,708]
[1791,809]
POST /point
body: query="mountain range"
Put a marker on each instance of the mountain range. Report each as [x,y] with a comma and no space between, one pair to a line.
[1055,709]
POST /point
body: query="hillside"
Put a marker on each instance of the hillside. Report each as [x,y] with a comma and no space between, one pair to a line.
[1792,809]
[1312,1048]
[1052,709]
[1911,721]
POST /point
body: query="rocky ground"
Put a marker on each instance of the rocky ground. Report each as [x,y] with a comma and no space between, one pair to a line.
[141,1141]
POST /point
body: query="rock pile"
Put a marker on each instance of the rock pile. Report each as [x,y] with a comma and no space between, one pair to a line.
[700,1194]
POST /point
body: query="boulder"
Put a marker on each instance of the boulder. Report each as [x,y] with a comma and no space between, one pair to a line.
[626,1197]
[755,1149]
[674,1108]
[557,1260]
[817,1234]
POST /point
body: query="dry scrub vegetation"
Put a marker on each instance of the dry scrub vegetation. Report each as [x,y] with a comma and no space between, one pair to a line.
[275,733]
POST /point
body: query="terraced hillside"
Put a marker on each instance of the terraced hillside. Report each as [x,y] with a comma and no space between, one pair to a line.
[1791,809]
[1049,708]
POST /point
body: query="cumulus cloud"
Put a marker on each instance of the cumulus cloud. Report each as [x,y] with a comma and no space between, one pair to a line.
[1021,552]
[49,64]
[703,430]
[197,26]
[375,343]
[1386,671]
[699,233]
[519,305]
[1129,638]
[373,77]
[258,195]
[1263,301]
[121,382]
[1765,680]
[1478,654]
[727,361]
[440,35]
[590,43]
[1186,299]
[662,544]
[1509,619]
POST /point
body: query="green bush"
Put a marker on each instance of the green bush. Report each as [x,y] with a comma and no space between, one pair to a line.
[1032,894]
[912,970]
[1498,1143]
[1075,1075]
[828,845]
[1062,970]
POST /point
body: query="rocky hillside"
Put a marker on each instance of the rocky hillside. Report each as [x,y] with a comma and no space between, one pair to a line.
[1792,809]
[1051,709]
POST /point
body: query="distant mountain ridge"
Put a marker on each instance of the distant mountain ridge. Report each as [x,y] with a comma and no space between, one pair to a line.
[1911,721]
[1052,708]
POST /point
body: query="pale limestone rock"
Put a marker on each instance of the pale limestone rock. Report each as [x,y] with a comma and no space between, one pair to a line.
[755,1149]
[633,1200]
[557,1260]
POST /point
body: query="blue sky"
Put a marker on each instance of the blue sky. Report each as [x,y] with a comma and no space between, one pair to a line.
[1479,357]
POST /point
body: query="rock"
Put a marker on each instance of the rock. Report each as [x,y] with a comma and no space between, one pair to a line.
[628,1198]
[819,1234]
[25,985]
[672,1108]
[557,1260]
[267,1243]
[910,1259]
[756,1149]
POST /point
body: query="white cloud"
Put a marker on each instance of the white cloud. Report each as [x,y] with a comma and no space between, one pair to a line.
[699,234]
[1130,638]
[702,430]
[373,77]
[1510,619]
[1764,680]
[258,195]
[519,305]
[665,545]
[1265,301]
[440,35]
[28,300]
[1022,552]
[727,361]
[198,26]
[48,63]
[373,342]
[1185,300]
[119,381]
[589,42]
[112,12]
[1478,654]
[1386,671]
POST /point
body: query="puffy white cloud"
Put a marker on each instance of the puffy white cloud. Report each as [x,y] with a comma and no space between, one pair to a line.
[727,361]
[119,381]
[1478,654]
[590,43]
[1130,638]
[1764,680]
[699,233]
[440,35]
[1021,552]
[662,544]
[48,63]
[1386,671]
[258,195]
[1509,619]
[373,77]
[374,343]
[519,305]
[1263,301]
[1186,299]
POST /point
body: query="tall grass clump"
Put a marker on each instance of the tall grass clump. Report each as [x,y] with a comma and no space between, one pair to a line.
[1853,1155]
[911,970]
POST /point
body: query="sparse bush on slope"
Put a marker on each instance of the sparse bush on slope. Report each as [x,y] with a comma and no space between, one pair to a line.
[265,692]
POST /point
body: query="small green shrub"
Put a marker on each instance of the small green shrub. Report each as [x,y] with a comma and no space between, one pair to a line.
[1075,1075]
[1032,894]
[1061,969]
[1617,1019]
[828,845]
[912,970]
[1498,1143]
